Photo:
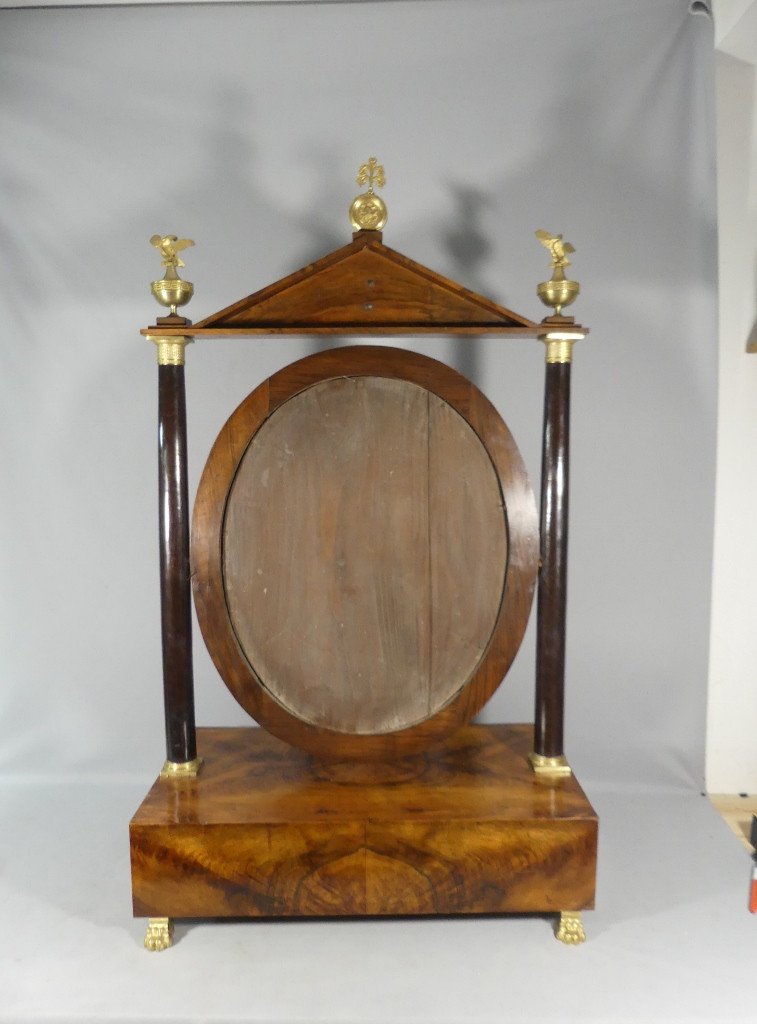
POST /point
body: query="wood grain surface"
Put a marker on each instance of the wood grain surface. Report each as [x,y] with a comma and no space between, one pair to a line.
[549,704]
[470,654]
[363,288]
[364,554]
[175,589]
[269,830]
[365,285]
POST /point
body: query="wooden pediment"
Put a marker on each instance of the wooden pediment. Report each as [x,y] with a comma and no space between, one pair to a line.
[365,288]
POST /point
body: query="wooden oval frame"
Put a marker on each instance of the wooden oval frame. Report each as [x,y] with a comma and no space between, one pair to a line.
[207,560]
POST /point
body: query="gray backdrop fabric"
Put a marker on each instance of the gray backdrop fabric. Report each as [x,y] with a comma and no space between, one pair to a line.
[242,127]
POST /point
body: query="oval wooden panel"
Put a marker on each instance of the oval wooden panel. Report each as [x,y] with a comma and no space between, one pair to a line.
[364,552]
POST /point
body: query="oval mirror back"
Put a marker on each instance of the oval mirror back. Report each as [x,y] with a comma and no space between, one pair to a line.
[364,552]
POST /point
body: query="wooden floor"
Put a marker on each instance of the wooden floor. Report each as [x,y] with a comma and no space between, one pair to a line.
[737,811]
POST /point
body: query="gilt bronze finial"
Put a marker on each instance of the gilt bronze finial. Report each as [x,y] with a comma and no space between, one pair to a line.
[557,248]
[558,291]
[371,174]
[170,246]
[368,211]
[170,290]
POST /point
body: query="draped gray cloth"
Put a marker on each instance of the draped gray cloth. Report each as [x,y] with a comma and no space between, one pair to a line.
[243,127]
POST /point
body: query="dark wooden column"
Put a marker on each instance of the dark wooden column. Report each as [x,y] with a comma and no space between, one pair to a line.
[176,620]
[551,601]
[553,575]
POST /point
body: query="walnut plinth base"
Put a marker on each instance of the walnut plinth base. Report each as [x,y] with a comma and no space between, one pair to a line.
[266,830]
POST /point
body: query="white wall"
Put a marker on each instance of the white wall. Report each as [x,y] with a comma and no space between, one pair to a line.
[732,703]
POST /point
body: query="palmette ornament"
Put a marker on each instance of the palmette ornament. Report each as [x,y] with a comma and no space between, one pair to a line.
[368,211]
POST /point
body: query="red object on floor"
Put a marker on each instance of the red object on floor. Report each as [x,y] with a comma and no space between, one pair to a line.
[753,891]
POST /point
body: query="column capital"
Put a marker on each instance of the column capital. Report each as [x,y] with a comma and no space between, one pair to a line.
[170,348]
[560,343]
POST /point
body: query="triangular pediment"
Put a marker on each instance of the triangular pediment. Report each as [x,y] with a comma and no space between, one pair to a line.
[365,286]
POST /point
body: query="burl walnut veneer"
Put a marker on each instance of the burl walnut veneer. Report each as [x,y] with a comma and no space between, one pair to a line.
[268,830]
